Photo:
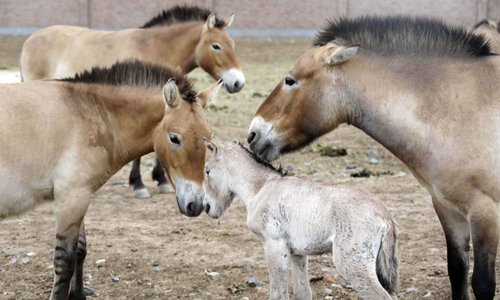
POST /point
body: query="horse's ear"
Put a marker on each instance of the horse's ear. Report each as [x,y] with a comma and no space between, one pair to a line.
[229,21]
[340,54]
[171,93]
[208,95]
[209,23]
[211,145]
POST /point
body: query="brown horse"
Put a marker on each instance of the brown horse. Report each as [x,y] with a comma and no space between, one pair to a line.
[62,140]
[430,94]
[182,37]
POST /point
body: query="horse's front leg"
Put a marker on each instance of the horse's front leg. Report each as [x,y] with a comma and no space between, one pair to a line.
[457,232]
[161,178]
[301,287]
[135,180]
[76,289]
[70,211]
[277,257]
[484,230]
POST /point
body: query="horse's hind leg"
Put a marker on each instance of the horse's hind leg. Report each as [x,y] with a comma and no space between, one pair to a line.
[457,232]
[483,218]
[301,287]
[69,216]
[76,289]
[357,264]
[135,180]
[159,175]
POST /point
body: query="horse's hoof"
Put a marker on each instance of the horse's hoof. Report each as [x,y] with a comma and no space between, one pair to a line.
[142,193]
[165,188]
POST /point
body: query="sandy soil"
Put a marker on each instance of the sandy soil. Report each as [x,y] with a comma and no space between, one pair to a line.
[153,252]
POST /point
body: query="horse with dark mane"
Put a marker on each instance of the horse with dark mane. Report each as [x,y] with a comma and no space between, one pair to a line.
[182,37]
[430,94]
[63,139]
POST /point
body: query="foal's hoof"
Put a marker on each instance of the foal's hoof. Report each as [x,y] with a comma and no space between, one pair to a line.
[165,188]
[142,193]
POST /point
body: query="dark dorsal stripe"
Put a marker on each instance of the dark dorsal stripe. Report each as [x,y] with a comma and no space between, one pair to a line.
[180,14]
[402,35]
[136,74]
[262,162]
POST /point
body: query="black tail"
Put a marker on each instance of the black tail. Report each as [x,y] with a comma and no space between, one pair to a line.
[387,261]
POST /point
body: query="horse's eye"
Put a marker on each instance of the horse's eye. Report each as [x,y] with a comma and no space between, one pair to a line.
[174,139]
[207,171]
[216,46]
[289,81]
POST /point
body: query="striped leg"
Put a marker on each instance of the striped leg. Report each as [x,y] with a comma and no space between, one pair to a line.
[69,218]
[76,289]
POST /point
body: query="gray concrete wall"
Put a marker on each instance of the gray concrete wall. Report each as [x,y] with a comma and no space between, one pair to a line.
[251,15]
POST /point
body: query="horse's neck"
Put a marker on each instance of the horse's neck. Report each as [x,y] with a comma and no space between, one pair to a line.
[122,118]
[247,177]
[387,105]
[176,42]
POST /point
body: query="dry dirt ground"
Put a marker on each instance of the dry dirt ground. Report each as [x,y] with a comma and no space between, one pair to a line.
[151,251]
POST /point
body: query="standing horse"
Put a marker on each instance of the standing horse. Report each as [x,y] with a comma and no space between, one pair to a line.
[283,212]
[182,37]
[430,94]
[62,140]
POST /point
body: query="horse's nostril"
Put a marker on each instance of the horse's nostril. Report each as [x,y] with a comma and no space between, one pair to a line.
[251,136]
[190,207]
[207,208]
[236,84]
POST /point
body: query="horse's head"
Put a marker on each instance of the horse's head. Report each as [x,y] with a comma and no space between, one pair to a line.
[306,104]
[216,55]
[179,144]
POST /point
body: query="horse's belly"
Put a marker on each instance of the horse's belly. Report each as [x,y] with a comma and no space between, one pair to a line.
[17,197]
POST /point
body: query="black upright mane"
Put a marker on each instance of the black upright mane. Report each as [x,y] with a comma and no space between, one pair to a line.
[408,36]
[263,162]
[180,14]
[136,74]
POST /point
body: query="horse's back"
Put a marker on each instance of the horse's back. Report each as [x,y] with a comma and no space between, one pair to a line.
[45,53]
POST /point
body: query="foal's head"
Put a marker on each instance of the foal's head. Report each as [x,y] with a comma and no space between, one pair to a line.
[179,143]
[215,53]
[306,103]
[218,197]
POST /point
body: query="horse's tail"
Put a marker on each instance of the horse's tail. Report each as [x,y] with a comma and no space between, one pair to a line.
[387,260]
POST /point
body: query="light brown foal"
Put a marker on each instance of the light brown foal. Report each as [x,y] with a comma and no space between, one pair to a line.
[430,94]
[62,140]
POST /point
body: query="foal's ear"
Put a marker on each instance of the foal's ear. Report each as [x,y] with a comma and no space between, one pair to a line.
[211,145]
[171,93]
[208,95]
[229,21]
[209,23]
[340,54]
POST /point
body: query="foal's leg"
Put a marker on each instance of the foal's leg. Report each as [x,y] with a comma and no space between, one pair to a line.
[357,264]
[484,230]
[70,211]
[76,289]
[457,232]
[159,175]
[135,180]
[277,256]
[301,287]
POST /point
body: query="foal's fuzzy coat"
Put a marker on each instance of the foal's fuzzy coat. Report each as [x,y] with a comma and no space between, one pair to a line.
[294,218]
